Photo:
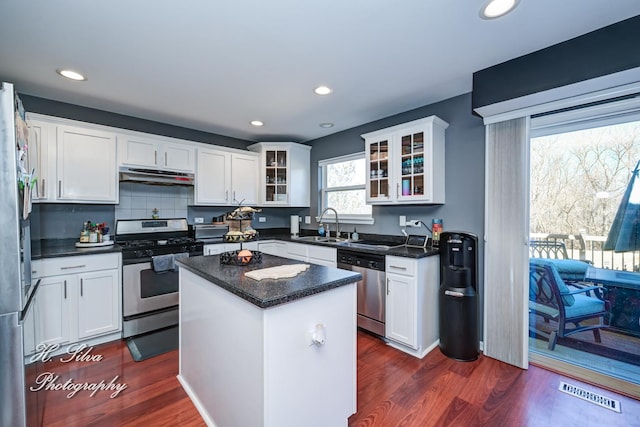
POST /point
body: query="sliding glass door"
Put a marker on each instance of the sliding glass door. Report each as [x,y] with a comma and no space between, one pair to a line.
[584,291]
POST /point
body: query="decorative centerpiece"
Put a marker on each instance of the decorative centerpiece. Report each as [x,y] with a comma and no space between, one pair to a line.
[239,222]
[240,231]
[241,257]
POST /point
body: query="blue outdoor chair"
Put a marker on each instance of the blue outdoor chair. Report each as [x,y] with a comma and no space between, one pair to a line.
[552,299]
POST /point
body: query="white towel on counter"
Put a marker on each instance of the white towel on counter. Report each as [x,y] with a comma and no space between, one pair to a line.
[279,272]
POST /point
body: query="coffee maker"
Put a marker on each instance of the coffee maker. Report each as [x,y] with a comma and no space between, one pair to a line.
[458,297]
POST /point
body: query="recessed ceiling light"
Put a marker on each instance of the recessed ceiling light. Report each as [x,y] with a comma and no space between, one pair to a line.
[257,123]
[323,90]
[496,8]
[70,74]
[326,125]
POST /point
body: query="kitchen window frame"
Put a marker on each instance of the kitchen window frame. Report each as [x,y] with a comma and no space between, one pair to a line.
[324,192]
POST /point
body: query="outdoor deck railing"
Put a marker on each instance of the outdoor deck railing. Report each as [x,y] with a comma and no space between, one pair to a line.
[589,248]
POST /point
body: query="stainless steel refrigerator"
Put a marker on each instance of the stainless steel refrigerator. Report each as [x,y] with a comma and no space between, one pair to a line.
[17,291]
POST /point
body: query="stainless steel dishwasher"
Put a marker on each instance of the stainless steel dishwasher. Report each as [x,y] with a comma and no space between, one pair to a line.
[371,289]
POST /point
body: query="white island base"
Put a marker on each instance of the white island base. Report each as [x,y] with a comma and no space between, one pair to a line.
[243,365]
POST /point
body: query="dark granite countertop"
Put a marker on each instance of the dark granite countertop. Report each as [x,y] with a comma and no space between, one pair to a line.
[53,248]
[268,292]
[401,251]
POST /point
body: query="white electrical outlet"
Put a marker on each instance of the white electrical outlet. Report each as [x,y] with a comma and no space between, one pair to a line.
[307,219]
[198,220]
[403,220]
[262,219]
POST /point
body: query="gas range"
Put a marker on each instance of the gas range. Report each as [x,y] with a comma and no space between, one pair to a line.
[150,285]
[142,239]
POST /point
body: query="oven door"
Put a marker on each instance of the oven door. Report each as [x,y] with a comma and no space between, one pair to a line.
[144,290]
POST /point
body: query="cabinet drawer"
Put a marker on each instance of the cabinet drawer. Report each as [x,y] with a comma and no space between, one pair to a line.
[400,265]
[75,264]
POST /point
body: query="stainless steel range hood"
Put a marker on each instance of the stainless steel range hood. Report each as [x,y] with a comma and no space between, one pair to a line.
[155,177]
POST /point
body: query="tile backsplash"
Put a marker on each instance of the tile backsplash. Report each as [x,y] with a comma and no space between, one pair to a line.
[137,201]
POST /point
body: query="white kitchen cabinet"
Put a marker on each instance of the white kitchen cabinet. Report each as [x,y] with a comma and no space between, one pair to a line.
[86,166]
[73,163]
[412,304]
[225,178]
[38,157]
[156,154]
[313,254]
[273,247]
[298,251]
[218,248]
[323,255]
[284,173]
[79,299]
[244,179]
[405,163]
[52,310]
[98,305]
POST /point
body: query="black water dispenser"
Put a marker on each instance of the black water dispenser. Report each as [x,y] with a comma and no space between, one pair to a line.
[458,295]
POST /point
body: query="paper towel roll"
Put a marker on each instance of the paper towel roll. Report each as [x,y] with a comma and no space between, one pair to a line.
[295,225]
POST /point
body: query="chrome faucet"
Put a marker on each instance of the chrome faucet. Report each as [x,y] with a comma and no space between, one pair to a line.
[337,221]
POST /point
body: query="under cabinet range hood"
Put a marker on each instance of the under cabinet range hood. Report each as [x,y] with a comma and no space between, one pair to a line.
[155,177]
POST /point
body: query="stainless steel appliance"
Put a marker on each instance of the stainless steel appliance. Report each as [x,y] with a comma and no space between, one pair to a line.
[150,292]
[210,233]
[371,289]
[156,177]
[17,292]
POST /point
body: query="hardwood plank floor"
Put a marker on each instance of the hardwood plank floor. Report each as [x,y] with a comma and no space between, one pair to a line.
[394,389]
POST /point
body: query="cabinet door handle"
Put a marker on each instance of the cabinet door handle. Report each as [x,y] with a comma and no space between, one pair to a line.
[398,190]
[155,157]
[398,267]
[387,286]
[226,195]
[234,195]
[65,289]
[60,188]
[43,188]
[165,159]
[69,267]
[81,287]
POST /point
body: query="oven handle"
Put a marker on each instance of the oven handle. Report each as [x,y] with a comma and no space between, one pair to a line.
[150,259]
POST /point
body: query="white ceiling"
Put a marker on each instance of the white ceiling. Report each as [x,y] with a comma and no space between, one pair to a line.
[216,65]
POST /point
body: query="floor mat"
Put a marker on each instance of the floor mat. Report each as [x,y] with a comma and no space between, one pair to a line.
[145,346]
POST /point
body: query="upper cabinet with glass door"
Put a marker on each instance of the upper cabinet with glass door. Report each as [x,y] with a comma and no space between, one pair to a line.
[284,173]
[405,163]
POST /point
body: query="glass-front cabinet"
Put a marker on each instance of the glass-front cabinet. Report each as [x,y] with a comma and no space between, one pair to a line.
[378,168]
[406,163]
[276,178]
[284,173]
[412,165]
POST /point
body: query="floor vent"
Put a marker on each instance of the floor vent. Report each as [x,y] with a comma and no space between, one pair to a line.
[589,396]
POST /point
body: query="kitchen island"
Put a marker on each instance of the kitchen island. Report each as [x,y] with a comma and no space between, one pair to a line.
[274,352]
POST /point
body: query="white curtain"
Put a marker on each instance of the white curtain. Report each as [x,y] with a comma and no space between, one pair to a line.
[506,242]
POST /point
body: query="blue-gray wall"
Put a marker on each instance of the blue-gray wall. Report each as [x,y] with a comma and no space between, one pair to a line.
[464,170]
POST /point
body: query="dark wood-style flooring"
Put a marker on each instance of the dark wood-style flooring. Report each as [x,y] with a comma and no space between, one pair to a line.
[394,389]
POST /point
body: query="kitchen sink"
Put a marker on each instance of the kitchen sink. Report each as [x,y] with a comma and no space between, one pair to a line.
[321,239]
[346,243]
